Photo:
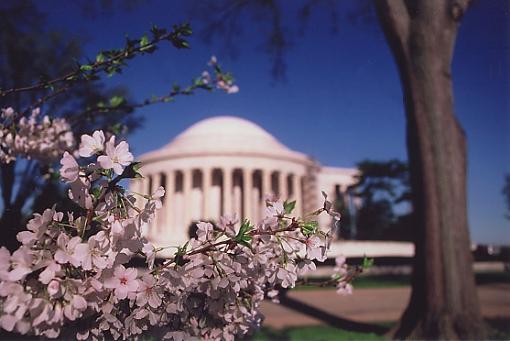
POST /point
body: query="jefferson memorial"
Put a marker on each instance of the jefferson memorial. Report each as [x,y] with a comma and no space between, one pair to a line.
[225,165]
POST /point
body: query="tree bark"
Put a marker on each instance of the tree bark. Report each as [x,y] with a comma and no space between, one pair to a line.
[11,217]
[444,302]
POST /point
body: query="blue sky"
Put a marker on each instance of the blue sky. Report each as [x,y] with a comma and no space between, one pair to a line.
[341,101]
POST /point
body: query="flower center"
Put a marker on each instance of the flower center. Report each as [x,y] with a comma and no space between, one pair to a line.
[123,280]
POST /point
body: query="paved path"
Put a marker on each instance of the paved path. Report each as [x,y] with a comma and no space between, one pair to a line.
[374,305]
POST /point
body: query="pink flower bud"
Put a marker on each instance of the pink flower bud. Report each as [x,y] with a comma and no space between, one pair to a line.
[54,288]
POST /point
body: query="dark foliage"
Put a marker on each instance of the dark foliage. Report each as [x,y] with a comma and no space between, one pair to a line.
[30,52]
[383,187]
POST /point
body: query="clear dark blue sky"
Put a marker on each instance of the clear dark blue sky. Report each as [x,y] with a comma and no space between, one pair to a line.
[342,100]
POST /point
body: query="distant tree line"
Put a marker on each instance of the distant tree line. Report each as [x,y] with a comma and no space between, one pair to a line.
[382,197]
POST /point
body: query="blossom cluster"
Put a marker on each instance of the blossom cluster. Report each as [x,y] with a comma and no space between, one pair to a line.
[75,269]
[224,81]
[33,137]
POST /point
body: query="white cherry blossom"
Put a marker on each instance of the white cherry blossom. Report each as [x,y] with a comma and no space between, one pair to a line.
[123,282]
[91,145]
[70,169]
[149,292]
[117,157]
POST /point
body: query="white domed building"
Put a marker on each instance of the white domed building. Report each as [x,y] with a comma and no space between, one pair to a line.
[225,165]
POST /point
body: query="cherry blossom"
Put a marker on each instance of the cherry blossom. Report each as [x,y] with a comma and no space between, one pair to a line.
[123,281]
[8,112]
[149,292]
[90,254]
[49,273]
[340,265]
[91,145]
[33,137]
[66,248]
[80,194]
[70,170]
[5,258]
[21,262]
[203,230]
[275,209]
[344,288]
[315,248]
[54,288]
[117,157]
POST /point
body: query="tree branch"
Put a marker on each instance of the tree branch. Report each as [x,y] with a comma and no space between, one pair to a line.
[111,61]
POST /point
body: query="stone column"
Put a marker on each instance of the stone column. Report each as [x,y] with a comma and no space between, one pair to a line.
[247,194]
[298,196]
[227,191]
[282,186]
[266,183]
[206,193]
[134,186]
[168,206]
[187,182]
[140,184]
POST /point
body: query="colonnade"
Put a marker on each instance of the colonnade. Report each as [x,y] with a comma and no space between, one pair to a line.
[206,194]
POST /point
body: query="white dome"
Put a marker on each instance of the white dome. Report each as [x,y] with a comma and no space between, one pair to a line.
[224,135]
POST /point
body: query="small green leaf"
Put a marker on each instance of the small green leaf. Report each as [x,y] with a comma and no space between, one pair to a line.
[137,166]
[96,191]
[181,250]
[309,227]
[117,128]
[100,58]
[245,243]
[186,30]
[145,44]
[180,43]
[367,263]
[112,70]
[144,41]
[86,67]
[289,206]
[243,230]
[115,101]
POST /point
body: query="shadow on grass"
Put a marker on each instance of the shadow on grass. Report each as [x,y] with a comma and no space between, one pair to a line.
[499,329]
[330,319]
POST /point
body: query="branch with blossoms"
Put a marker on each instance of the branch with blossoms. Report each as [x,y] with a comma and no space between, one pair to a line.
[73,269]
[219,80]
[33,137]
[46,139]
[110,62]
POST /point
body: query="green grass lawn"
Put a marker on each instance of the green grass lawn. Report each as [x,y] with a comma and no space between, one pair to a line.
[497,330]
[312,333]
[392,281]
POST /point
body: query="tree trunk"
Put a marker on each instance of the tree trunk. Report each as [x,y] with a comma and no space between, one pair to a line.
[11,218]
[444,302]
